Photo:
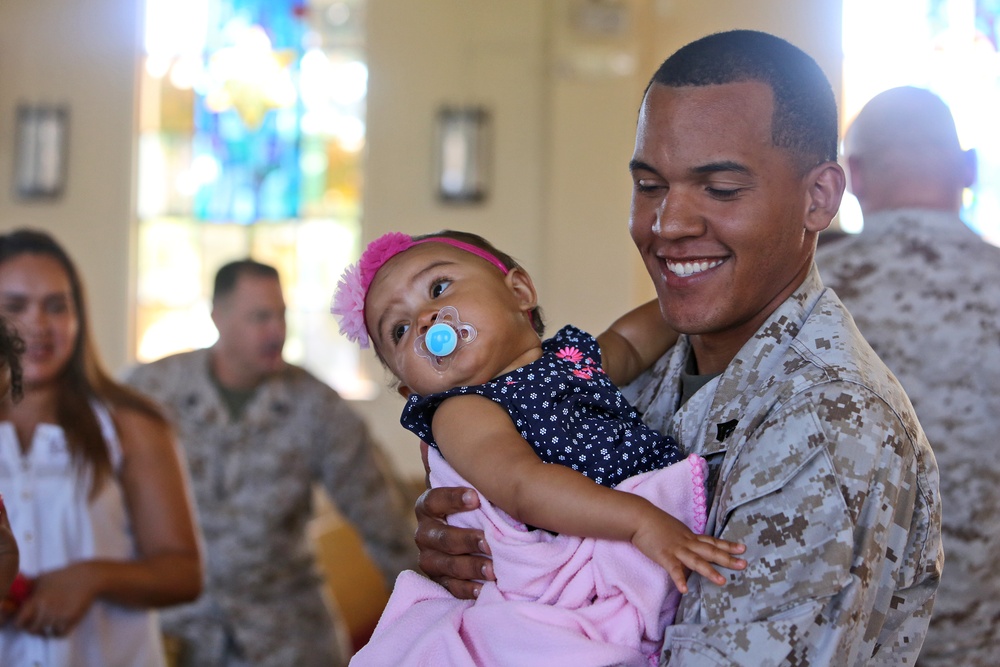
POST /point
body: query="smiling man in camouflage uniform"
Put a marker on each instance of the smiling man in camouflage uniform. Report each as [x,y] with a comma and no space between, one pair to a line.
[817,462]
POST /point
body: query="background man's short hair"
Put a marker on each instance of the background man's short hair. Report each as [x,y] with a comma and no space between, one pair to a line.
[228,274]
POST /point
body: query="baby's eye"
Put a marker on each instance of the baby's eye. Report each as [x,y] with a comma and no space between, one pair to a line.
[438,288]
[399,331]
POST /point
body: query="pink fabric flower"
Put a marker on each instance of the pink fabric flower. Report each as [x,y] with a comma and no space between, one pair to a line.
[349,298]
[380,251]
[570,354]
[583,373]
[349,306]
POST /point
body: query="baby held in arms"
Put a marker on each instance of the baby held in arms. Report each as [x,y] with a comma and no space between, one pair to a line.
[589,514]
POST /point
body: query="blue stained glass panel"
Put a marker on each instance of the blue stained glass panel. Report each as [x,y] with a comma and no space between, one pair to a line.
[247,113]
[251,143]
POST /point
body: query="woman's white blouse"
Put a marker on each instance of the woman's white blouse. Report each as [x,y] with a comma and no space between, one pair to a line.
[57,523]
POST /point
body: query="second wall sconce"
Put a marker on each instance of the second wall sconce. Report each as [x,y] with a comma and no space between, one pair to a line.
[464,149]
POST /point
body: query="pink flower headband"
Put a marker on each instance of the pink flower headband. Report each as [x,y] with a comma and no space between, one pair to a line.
[352,290]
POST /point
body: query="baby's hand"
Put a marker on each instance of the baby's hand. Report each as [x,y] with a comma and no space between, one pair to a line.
[667,541]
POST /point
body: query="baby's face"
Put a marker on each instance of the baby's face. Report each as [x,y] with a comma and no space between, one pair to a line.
[410,289]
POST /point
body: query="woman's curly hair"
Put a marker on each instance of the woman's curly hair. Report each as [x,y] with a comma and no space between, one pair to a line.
[11,349]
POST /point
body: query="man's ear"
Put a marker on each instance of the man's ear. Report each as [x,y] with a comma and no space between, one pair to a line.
[826,188]
[523,289]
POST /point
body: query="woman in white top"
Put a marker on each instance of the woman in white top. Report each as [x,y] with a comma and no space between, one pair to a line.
[93,482]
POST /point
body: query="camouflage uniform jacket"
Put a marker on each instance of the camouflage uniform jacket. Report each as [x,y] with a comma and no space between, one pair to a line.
[819,466]
[924,290]
[253,485]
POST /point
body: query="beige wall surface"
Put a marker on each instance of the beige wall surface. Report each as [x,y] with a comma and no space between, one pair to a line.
[81,55]
[562,85]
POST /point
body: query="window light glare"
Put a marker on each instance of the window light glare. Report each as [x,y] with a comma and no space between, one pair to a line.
[205,168]
[175,27]
[158,66]
[350,133]
[185,72]
[349,82]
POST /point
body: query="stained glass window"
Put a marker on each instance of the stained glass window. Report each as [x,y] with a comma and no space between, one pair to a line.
[949,47]
[251,134]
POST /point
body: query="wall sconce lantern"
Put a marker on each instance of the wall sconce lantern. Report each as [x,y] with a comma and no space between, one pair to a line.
[463,153]
[40,166]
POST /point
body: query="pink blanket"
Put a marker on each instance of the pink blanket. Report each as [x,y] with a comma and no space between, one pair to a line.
[558,599]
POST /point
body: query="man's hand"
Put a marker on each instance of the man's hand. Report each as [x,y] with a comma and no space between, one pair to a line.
[453,557]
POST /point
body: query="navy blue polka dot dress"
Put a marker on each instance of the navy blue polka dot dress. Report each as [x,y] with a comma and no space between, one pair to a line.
[565,406]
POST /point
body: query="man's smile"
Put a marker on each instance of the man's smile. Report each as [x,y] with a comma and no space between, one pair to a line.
[684,269]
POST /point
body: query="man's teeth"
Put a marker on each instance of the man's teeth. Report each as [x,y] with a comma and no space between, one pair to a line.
[683,269]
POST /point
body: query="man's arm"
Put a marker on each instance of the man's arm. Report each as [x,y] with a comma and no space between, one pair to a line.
[842,529]
[359,479]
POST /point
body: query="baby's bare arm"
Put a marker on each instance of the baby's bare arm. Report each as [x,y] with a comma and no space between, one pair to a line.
[634,342]
[479,440]
[667,541]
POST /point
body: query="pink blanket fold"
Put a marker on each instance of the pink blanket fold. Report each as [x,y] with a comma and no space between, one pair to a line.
[558,599]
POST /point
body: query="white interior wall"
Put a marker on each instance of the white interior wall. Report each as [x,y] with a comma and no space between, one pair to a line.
[81,55]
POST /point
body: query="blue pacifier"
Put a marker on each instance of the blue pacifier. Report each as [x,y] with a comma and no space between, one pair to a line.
[447,335]
[441,340]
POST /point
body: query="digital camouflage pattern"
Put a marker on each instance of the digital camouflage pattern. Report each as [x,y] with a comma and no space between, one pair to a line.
[819,466]
[924,290]
[253,485]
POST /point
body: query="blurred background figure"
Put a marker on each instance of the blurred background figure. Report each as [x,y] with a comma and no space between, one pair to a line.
[259,434]
[11,348]
[924,290]
[93,481]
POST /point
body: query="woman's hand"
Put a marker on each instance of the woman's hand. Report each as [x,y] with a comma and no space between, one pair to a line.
[9,555]
[453,557]
[9,564]
[58,600]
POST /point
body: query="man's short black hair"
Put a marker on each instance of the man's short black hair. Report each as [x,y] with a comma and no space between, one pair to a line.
[226,277]
[805,117]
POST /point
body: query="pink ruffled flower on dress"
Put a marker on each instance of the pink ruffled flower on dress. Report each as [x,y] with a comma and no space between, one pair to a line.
[570,354]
